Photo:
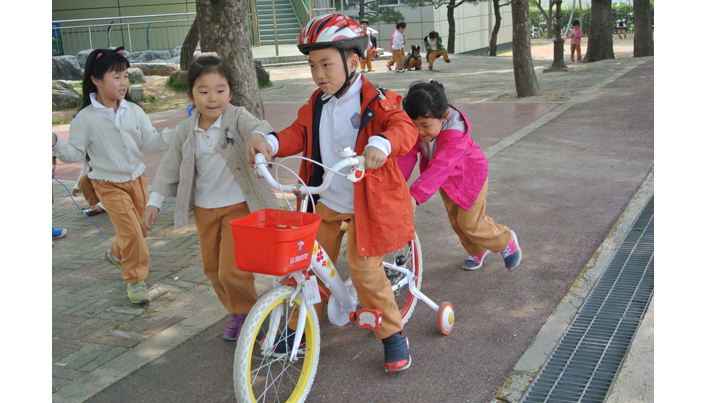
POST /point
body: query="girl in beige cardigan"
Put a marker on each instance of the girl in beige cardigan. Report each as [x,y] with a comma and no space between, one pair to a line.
[206,170]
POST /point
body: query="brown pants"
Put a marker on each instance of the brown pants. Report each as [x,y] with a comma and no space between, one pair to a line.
[436,53]
[85,185]
[397,58]
[476,230]
[413,63]
[235,288]
[126,202]
[367,274]
[576,48]
[368,61]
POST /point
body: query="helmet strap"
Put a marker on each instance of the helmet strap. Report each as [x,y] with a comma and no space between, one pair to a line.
[349,76]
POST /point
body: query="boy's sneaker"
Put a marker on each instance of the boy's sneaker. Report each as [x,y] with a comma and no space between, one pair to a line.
[112,260]
[285,344]
[474,262]
[138,292]
[397,356]
[512,254]
[369,70]
[57,233]
[233,329]
[431,68]
[388,66]
[448,61]
[399,71]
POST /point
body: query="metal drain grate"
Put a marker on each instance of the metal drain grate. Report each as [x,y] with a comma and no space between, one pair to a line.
[589,355]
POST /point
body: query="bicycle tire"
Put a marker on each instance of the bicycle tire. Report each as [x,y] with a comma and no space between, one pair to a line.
[280,381]
[404,299]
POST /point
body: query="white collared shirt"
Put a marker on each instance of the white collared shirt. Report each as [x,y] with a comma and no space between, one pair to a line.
[215,185]
[110,113]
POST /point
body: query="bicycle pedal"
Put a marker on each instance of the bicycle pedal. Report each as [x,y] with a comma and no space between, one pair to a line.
[367,318]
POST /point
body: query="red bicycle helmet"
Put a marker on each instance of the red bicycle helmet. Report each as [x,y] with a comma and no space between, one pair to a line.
[333,30]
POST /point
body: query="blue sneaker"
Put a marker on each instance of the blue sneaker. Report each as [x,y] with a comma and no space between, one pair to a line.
[57,233]
[512,254]
[285,344]
[397,356]
[474,262]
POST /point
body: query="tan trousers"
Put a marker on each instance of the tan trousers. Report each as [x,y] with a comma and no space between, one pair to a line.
[414,63]
[397,58]
[235,288]
[367,274]
[476,231]
[576,48]
[126,202]
[436,53]
[85,185]
[367,62]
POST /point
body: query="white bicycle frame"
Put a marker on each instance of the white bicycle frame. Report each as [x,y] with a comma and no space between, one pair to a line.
[324,268]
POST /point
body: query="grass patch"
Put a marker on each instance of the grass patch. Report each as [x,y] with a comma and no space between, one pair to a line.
[55,122]
[265,84]
[175,85]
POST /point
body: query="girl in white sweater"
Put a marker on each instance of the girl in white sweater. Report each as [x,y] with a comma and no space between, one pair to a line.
[113,129]
[206,170]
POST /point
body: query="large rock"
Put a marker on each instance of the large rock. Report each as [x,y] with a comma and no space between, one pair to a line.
[82,56]
[174,60]
[156,69]
[176,52]
[65,68]
[261,72]
[134,73]
[63,96]
[180,77]
[146,56]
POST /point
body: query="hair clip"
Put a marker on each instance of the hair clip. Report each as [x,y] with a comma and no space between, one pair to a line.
[431,80]
[204,54]
[120,51]
[99,55]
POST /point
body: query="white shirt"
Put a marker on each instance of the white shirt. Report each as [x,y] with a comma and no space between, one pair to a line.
[398,40]
[432,44]
[110,113]
[215,184]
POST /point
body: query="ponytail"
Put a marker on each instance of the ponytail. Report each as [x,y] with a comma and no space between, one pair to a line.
[426,100]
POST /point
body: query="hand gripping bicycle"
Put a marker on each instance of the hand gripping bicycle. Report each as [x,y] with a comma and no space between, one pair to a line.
[273,363]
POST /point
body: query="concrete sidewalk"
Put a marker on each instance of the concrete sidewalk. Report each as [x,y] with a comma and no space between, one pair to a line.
[99,338]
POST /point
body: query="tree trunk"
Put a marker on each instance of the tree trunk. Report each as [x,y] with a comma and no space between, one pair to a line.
[644,42]
[361,10]
[450,46]
[600,36]
[525,79]
[189,46]
[496,29]
[223,28]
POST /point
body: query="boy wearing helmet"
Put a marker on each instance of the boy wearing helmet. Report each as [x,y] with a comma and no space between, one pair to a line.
[413,60]
[347,111]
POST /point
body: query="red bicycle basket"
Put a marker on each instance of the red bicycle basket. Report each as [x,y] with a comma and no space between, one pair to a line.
[274,242]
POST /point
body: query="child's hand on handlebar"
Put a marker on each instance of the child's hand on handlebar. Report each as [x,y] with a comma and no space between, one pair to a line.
[374,157]
[258,144]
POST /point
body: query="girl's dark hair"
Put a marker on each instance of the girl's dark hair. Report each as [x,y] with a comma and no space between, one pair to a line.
[99,62]
[433,34]
[209,64]
[426,100]
[364,21]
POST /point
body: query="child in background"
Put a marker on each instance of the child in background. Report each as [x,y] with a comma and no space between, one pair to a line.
[113,129]
[413,60]
[397,48]
[347,111]
[453,164]
[575,34]
[206,163]
[368,60]
[621,30]
[434,48]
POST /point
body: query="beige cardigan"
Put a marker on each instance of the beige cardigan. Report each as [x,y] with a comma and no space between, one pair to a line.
[177,171]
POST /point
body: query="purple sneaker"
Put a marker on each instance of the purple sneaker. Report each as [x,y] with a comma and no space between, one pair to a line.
[233,329]
[474,262]
[512,254]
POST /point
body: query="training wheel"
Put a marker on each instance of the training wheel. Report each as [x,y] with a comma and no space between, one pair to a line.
[445,318]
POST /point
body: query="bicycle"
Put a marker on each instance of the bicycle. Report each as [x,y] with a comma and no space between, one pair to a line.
[276,242]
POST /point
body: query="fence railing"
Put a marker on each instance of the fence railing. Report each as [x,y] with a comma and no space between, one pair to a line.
[137,32]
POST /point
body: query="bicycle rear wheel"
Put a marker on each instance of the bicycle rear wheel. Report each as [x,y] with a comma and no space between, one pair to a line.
[409,257]
[260,374]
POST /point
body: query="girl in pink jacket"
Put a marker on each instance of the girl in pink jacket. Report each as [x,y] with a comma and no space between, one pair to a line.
[576,34]
[453,164]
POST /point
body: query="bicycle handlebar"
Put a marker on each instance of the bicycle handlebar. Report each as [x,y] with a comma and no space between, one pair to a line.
[357,173]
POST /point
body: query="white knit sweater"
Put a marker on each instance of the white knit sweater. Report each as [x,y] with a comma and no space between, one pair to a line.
[116,154]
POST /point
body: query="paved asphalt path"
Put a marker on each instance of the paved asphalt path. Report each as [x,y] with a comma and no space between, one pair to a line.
[561,188]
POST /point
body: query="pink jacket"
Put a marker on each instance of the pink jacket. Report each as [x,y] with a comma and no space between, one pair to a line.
[575,34]
[458,166]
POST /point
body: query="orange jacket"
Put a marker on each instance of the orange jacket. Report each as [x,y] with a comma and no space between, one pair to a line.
[383,209]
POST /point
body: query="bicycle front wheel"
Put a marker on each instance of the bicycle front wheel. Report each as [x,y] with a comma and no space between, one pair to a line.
[409,257]
[259,373]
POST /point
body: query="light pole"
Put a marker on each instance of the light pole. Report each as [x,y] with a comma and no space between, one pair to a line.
[558,64]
